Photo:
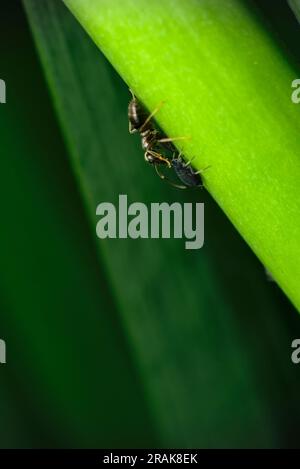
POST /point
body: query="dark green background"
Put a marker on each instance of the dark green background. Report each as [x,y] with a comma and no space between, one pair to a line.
[121,343]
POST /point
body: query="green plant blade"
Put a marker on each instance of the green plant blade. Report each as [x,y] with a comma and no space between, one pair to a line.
[178,308]
[66,352]
[228,86]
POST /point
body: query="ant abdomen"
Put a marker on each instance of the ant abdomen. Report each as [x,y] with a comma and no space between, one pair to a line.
[137,115]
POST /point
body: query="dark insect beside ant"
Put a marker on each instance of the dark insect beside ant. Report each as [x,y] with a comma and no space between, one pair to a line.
[154,142]
[184,172]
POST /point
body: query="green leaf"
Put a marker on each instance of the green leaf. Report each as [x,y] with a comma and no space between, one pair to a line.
[228,86]
[199,323]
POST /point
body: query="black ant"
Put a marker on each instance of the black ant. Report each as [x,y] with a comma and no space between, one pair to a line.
[140,121]
[152,139]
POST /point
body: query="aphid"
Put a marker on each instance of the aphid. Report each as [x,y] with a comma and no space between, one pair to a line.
[152,139]
[184,172]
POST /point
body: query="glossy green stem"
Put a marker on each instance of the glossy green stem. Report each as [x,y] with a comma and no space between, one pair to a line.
[227,85]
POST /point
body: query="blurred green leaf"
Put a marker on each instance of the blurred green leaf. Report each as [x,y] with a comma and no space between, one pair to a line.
[211,337]
[69,379]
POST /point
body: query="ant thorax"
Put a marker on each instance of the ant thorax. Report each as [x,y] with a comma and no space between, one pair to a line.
[149,139]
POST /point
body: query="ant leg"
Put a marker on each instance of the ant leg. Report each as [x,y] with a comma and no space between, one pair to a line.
[158,107]
[162,176]
[172,139]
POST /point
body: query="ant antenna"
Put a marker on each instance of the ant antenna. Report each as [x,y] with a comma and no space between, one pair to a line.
[172,139]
